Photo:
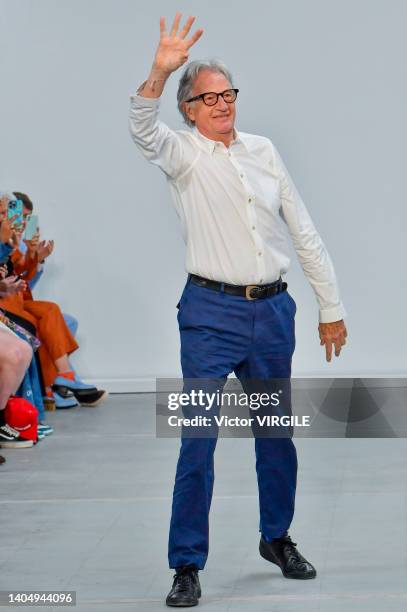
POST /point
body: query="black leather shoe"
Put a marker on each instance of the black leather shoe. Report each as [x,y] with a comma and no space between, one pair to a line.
[283,552]
[186,589]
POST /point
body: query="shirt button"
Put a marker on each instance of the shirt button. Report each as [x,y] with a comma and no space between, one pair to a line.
[241,175]
[253,227]
[250,200]
[261,280]
[259,253]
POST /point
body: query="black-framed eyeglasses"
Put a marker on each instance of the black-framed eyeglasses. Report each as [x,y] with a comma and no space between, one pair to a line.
[211,98]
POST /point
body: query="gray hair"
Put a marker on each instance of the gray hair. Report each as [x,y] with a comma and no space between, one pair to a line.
[187,80]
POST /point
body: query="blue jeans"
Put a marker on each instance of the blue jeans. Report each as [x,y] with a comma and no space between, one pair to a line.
[220,334]
[30,388]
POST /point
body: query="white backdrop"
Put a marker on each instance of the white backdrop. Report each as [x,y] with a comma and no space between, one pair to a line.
[324,80]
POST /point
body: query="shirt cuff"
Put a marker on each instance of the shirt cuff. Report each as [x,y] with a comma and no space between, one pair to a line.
[331,315]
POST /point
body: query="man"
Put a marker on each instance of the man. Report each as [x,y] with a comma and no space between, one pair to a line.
[233,194]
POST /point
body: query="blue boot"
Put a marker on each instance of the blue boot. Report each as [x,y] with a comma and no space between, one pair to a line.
[86,395]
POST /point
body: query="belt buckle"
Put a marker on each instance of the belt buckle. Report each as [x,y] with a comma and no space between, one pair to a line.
[248,289]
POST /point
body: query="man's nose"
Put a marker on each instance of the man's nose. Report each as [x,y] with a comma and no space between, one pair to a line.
[221,104]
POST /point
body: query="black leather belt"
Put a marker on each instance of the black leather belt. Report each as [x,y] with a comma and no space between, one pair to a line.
[250,292]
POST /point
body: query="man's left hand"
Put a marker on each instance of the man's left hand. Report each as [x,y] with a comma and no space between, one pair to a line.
[332,334]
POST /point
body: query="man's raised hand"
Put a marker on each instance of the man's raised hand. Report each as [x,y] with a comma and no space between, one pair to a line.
[173,48]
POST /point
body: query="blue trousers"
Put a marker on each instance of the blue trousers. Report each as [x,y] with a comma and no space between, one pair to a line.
[220,334]
[71,322]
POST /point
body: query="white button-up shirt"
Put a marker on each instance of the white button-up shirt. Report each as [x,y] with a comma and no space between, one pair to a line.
[234,204]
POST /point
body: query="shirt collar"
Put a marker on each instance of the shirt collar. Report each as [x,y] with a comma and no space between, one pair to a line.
[211,144]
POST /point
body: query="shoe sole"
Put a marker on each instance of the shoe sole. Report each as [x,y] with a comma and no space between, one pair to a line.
[25,444]
[78,394]
[97,402]
[182,604]
[265,554]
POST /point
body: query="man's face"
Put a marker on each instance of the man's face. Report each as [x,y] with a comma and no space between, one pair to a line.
[212,121]
[3,208]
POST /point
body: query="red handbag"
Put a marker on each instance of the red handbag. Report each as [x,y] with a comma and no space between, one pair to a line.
[21,415]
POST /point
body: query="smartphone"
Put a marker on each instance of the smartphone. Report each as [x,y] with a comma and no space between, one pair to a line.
[31,227]
[15,207]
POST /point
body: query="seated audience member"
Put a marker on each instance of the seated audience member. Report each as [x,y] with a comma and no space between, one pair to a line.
[30,388]
[57,343]
[15,358]
[46,250]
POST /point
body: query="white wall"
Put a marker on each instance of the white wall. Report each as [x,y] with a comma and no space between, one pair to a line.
[323,79]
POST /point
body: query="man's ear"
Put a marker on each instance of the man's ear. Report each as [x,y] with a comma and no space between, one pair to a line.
[190,111]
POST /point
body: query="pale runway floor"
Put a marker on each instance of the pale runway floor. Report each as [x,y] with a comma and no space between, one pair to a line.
[88,509]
